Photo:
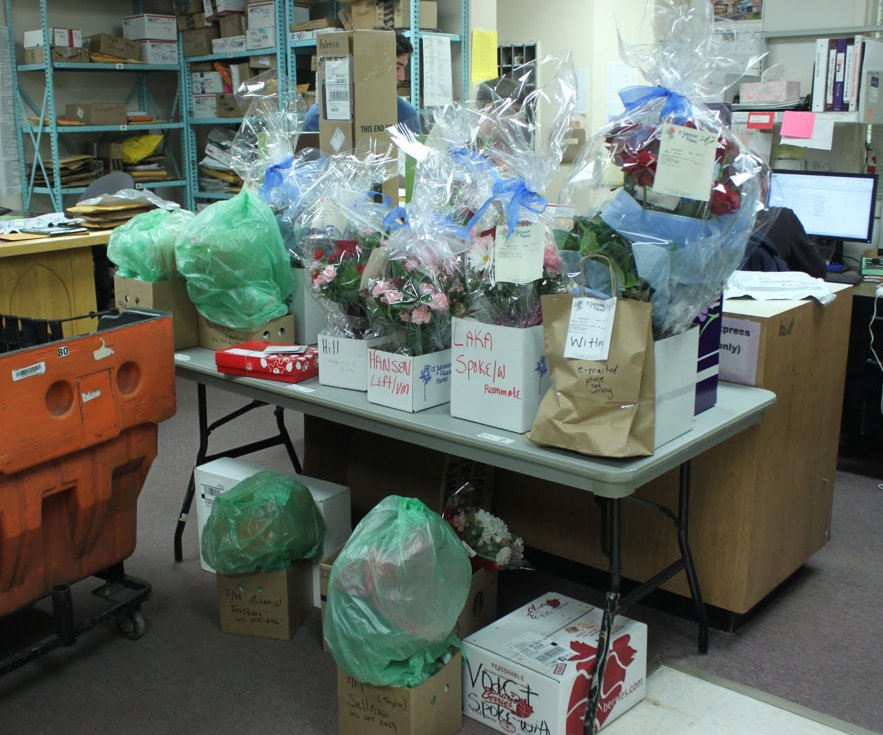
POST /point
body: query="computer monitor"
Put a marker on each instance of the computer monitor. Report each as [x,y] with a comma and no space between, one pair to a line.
[833,207]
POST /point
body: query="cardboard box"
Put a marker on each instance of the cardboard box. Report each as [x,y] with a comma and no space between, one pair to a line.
[409,383]
[240,73]
[97,113]
[309,319]
[191,21]
[198,42]
[343,361]
[204,106]
[70,37]
[675,384]
[159,52]
[709,324]
[543,685]
[312,25]
[206,82]
[229,45]
[122,48]
[187,7]
[66,54]
[219,7]
[357,88]
[779,91]
[265,604]
[262,62]
[217,337]
[324,575]
[263,15]
[251,360]
[433,708]
[150,27]
[260,38]
[232,25]
[228,106]
[499,374]
[367,15]
[428,14]
[480,609]
[216,477]
[163,296]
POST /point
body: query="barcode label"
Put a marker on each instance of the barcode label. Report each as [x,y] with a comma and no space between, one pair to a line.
[543,652]
[29,371]
[211,492]
[338,94]
[337,102]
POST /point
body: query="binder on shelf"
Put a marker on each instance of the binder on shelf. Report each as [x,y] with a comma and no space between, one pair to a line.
[820,74]
[839,75]
[832,72]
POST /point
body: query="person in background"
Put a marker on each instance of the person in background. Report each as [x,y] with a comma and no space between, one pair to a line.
[407,115]
[779,243]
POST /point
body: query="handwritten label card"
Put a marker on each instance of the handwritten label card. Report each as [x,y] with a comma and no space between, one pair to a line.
[590,329]
[519,259]
[686,162]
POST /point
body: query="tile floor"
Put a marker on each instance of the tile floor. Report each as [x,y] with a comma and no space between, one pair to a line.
[678,702]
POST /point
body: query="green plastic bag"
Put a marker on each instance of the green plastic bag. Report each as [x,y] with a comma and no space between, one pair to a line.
[266,522]
[237,268]
[395,593]
[144,247]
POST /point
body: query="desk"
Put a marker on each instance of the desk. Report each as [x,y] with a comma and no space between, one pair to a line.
[51,278]
[738,408]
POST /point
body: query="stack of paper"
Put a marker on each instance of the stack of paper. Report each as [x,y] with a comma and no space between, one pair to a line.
[216,165]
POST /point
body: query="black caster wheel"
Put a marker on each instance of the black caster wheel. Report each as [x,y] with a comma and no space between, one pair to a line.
[130,623]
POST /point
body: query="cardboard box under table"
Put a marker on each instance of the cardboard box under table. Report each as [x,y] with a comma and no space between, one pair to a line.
[265,604]
[163,296]
[216,477]
[530,671]
[433,708]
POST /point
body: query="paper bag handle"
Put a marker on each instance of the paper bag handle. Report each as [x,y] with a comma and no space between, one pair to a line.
[614,286]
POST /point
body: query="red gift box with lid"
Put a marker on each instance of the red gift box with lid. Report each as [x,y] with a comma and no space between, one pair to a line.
[250,360]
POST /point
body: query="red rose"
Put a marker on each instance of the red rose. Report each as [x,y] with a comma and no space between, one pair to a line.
[346,248]
[319,254]
[724,199]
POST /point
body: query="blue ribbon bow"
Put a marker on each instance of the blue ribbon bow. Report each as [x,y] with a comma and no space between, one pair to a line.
[675,105]
[396,218]
[520,197]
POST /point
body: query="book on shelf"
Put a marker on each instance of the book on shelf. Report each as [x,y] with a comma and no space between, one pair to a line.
[838,68]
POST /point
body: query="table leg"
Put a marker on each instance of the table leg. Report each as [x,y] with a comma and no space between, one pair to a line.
[684,544]
[611,607]
[202,414]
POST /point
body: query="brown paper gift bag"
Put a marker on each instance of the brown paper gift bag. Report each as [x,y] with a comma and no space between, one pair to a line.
[601,408]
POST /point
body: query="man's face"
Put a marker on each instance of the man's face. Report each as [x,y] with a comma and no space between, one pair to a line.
[401,65]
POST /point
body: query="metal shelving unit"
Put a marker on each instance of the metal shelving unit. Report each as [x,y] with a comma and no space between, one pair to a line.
[192,124]
[414,34]
[32,137]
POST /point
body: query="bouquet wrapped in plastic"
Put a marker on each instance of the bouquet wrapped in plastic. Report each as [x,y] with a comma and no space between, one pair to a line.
[512,258]
[677,226]
[340,223]
[395,593]
[415,286]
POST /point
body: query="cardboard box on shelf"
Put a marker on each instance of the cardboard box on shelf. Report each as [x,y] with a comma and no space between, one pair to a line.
[232,25]
[169,296]
[774,91]
[123,48]
[204,105]
[262,15]
[312,25]
[70,37]
[259,38]
[262,62]
[191,20]
[198,42]
[187,7]
[206,82]
[433,708]
[159,52]
[229,45]
[215,8]
[214,336]
[216,477]
[428,14]
[240,73]
[367,15]
[150,27]
[228,106]
[97,113]
[265,604]
[558,637]
[66,54]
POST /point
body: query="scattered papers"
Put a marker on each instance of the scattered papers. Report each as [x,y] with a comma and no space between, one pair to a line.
[788,286]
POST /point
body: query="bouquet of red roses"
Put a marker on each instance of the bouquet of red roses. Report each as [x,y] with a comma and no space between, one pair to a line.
[678,225]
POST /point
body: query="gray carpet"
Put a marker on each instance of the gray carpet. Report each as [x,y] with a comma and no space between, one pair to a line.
[816,643]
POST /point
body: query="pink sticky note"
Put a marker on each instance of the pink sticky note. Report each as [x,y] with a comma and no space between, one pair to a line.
[797,124]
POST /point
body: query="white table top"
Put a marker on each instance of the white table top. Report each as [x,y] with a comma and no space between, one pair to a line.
[738,407]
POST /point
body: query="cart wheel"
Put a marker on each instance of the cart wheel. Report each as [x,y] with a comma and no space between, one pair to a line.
[130,623]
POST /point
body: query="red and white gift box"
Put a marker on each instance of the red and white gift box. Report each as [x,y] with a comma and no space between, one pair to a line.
[250,360]
[530,671]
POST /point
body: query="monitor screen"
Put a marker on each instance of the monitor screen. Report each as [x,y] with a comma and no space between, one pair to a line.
[828,205]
